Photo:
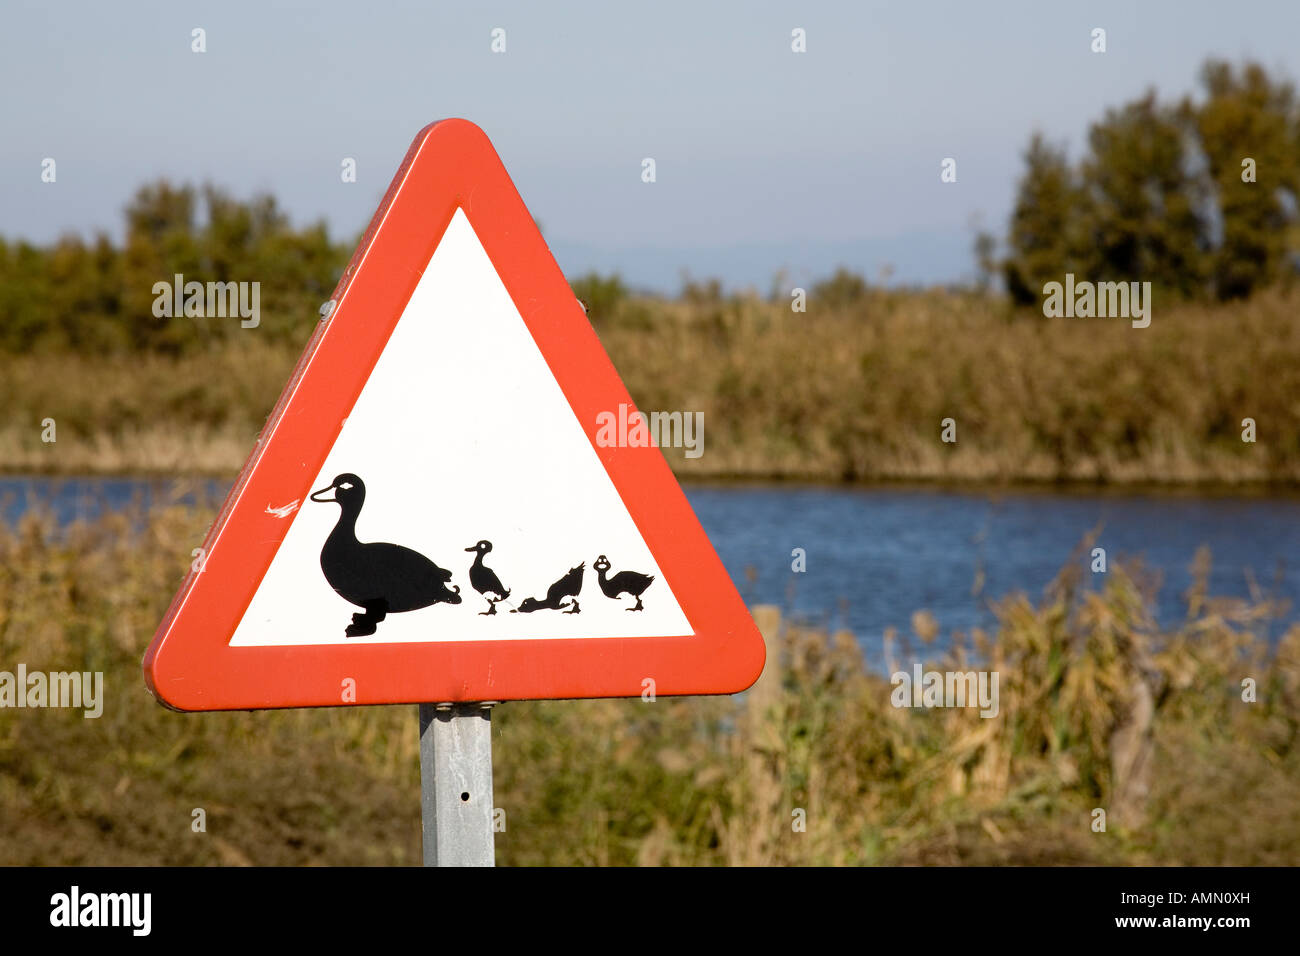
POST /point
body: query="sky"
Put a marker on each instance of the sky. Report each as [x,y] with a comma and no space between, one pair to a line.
[767,161]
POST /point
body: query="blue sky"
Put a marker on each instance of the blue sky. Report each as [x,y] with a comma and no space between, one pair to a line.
[766,159]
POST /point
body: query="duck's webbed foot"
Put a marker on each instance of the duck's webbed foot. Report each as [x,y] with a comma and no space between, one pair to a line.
[365,622]
[573,608]
[492,609]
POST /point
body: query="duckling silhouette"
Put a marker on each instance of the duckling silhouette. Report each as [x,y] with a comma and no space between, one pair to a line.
[567,587]
[379,577]
[625,582]
[484,580]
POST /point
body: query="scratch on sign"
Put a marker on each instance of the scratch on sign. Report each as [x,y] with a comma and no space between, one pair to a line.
[284,510]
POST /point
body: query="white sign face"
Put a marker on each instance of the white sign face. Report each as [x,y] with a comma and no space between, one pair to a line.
[460,436]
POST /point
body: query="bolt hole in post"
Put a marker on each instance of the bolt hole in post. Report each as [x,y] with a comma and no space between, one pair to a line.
[456,761]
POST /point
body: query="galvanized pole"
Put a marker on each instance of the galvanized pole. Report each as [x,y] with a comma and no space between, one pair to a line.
[456,784]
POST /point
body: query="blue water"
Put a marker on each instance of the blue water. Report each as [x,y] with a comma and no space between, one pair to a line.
[874,556]
[83,499]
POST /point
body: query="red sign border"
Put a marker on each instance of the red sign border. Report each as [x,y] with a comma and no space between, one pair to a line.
[190,664]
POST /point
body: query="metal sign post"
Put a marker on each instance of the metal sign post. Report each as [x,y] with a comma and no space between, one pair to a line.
[456,784]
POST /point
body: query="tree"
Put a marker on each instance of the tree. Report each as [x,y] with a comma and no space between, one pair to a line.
[1248,116]
[986,264]
[1039,237]
[1142,202]
[160,243]
[1159,195]
[843,290]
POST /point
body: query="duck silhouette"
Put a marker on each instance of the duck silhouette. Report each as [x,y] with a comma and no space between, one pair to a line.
[625,582]
[484,580]
[567,587]
[381,578]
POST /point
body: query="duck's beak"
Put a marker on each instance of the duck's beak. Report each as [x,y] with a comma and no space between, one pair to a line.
[315,494]
[471,549]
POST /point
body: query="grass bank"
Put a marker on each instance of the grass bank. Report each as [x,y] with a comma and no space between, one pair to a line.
[1098,709]
[851,391]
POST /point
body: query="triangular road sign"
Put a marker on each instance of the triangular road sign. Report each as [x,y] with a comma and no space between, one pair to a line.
[432,513]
